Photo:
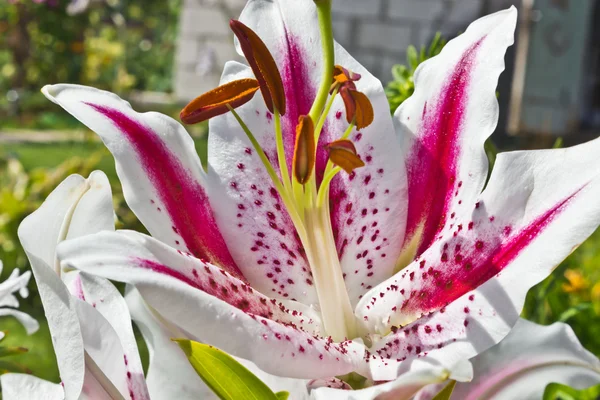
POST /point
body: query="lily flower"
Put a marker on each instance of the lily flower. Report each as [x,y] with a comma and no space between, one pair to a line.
[89,320]
[524,363]
[8,301]
[397,271]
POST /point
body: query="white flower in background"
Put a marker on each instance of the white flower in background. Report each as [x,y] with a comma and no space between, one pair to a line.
[524,363]
[88,318]
[16,283]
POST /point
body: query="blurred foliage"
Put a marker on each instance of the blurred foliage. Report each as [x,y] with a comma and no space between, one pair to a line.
[403,85]
[556,391]
[118,45]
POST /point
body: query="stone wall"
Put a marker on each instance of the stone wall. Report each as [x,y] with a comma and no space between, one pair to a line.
[376,32]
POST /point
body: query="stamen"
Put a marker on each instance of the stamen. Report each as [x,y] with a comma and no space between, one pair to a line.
[304,150]
[263,65]
[343,77]
[343,154]
[358,107]
[217,101]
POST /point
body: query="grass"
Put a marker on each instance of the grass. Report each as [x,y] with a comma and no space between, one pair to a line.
[46,155]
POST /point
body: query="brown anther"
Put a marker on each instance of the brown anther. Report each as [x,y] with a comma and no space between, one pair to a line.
[343,154]
[358,107]
[215,102]
[263,65]
[304,150]
[343,77]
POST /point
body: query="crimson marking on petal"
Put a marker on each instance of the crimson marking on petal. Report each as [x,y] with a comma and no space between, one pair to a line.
[299,93]
[445,284]
[181,194]
[78,288]
[217,285]
[433,162]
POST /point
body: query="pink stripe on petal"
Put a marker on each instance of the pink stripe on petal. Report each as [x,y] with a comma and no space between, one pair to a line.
[462,260]
[484,259]
[432,165]
[299,92]
[183,196]
[218,283]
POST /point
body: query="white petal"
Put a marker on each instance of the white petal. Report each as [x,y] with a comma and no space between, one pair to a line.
[25,387]
[31,325]
[527,360]
[39,234]
[403,388]
[170,374]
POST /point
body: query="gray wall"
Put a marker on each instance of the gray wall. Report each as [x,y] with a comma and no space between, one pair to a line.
[376,32]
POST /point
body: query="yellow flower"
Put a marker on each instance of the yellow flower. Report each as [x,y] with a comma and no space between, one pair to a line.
[576,283]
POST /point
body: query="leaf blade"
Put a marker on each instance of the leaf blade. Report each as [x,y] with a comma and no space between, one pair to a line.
[216,367]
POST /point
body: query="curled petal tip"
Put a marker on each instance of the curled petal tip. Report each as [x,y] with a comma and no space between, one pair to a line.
[218,100]
[304,150]
[263,65]
[343,154]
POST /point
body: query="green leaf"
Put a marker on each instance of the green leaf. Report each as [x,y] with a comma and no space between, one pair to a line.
[412,57]
[446,392]
[282,395]
[573,311]
[558,143]
[10,366]
[433,47]
[229,379]
[11,351]
[557,391]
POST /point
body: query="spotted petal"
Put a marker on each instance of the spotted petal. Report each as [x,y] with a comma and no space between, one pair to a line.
[214,306]
[531,357]
[160,171]
[368,208]
[471,283]
[444,124]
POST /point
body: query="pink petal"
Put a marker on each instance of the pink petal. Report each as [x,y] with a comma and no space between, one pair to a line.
[288,348]
[244,204]
[538,207]
[160,171]
[444,124]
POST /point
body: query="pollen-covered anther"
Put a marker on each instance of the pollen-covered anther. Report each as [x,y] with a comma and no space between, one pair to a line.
[343,154]
[263,65]
[343,77]
[358,107]
[218,100]
[304,150]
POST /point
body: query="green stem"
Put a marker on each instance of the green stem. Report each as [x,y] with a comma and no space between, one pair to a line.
[285,176]
[271,171]
[324,115]
[324,15]
[324,188]
[349,129]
